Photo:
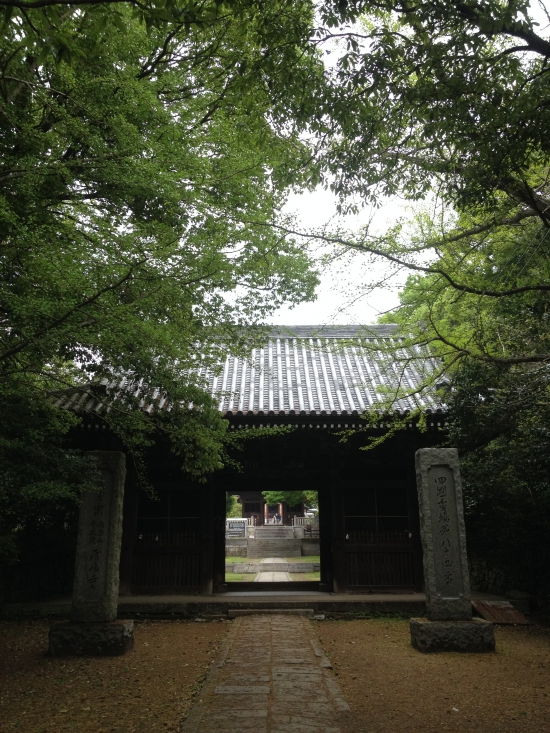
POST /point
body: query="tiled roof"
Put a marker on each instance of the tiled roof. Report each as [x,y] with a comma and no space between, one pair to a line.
[334,370]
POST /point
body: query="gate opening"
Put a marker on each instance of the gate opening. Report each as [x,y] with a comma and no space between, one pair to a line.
[272,537]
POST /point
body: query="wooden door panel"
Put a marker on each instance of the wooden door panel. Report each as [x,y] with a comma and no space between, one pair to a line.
[166,561]
[379,549]
[379,567]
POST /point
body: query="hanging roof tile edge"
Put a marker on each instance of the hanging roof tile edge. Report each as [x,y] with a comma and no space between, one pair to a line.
[302,371]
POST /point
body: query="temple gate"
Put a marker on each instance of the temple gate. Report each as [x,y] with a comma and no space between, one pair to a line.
[317,381]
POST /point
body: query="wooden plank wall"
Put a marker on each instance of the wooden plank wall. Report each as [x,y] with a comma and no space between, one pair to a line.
[166,561]
[371,557]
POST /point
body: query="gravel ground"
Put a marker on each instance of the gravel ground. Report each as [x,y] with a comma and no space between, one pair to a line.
[391,688]
[147,691]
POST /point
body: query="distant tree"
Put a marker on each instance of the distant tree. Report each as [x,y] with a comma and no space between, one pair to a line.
[292,498]
[232,506]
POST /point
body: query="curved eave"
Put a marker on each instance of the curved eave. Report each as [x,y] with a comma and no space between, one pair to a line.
[323,413]
[435,420]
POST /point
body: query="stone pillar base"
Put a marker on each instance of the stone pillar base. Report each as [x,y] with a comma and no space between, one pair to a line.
[68,639]
[476,635]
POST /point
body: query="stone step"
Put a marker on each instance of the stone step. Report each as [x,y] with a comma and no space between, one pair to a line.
[274,545]
[274,548]
[274,540]
[287,567]
[267,551]
[274,531]
[236,612]
[259,553]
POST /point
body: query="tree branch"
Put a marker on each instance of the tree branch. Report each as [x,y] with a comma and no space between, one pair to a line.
[58,321]
[363,247]
[23,5]
[487,358]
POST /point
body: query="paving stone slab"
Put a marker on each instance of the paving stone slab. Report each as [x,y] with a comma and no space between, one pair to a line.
[236,612]
[297,684]
[238,702]
[292,674]
[297,728]
[271,577]
[242,714]
[260,728]
[223,722]
[273,561]
[242,690]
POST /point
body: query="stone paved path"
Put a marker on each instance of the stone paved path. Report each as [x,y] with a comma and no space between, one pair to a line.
[271,677]
[273,561]
[276,576]
[272,577]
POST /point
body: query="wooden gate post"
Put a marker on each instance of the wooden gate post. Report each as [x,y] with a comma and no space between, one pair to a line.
[326,538]
[207,542]
[338,539]
[219,536]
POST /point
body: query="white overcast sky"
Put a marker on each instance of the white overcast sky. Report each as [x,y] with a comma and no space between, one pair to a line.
[339,298]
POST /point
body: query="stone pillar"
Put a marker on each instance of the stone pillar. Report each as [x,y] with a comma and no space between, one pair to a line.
[93,629]
[449,625]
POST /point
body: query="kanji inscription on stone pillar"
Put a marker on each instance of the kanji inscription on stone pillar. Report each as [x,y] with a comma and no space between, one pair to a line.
[449,625]
[96,580]
[443,534]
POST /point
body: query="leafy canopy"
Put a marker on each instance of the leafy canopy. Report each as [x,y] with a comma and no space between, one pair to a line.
[232,506]
[485,296]
[143,156]
[447,100]
[130,180]
[292,498]
[432,93]
[500,424]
